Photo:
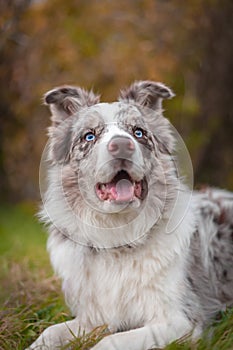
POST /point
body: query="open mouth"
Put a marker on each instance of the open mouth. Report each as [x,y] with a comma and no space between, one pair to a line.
[122,188]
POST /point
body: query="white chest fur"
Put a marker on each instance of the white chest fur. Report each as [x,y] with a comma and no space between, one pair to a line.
[121,288]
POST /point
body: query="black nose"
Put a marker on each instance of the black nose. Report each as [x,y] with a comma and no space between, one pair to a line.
[121,146]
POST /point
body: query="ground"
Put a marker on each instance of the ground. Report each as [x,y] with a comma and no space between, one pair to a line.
[30,296]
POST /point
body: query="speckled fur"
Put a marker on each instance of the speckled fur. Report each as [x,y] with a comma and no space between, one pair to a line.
[122,269]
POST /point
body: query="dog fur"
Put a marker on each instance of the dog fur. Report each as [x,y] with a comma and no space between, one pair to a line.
[119,264]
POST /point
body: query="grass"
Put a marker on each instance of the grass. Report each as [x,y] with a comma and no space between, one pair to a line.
[30,297]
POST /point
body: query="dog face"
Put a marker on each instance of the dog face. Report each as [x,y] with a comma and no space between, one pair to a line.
[113,158]
[112,144]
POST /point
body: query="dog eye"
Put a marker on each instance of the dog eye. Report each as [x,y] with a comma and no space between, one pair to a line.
[90,136]
[138,133]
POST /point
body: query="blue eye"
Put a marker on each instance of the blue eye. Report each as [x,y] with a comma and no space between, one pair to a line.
[90,137]
[138,133]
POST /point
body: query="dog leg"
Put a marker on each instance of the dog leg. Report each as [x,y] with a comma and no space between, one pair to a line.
[144,338]
[57,335]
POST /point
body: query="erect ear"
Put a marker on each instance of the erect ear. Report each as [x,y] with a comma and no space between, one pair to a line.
[65,101]
[146,93]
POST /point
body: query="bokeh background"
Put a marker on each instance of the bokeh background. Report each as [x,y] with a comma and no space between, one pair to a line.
[105,45]
[102,45]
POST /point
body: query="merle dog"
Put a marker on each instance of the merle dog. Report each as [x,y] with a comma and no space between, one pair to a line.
[113,187]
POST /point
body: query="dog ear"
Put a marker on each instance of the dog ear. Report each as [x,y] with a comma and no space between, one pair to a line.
[65,101]
[147,93]
[151,94]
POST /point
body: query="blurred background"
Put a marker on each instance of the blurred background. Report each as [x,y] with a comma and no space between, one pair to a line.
[105,45]
[101,45]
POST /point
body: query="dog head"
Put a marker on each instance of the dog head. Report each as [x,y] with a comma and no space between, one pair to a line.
[112,158]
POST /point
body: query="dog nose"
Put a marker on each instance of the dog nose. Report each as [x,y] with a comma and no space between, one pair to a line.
[121,146]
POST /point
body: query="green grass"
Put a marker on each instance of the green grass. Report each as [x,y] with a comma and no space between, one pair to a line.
[30,297]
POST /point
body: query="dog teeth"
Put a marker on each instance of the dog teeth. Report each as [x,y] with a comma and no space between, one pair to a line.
[102,187]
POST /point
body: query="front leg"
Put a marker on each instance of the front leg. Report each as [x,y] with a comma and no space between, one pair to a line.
[56,336]
[144,338]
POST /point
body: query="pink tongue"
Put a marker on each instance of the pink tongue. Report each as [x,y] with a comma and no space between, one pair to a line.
[123,191]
